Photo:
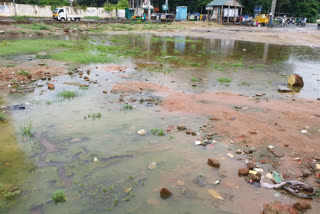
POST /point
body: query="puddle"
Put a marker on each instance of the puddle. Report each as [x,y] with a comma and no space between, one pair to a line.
[66,141]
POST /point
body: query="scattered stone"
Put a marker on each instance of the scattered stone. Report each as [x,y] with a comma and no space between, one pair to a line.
[213,162]
[277,152]
[260,94]
[238,151]
[128,190]
[295,80]
[152,165]
[251,165]
[243,172]
[200,180]
[181,127]
[284,89]
[254,178]
[95,160]
[105,92]
[302,206]
[303,131]
[193,133]
[142,132]
[180,183]
[213,118]
[86,78]
[165,193]
[189,131]
[306,172]
[51,86]
[253,132]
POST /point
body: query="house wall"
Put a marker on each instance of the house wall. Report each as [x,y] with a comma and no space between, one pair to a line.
[11,9]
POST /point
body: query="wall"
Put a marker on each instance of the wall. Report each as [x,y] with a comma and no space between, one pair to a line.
[11,9]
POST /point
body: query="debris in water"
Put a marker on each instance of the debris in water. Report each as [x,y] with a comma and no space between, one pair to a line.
[215,194]
[95,160]
[142,132]
[303,131]
[152,165]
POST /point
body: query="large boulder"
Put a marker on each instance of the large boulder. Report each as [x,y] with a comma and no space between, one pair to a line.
[295,80]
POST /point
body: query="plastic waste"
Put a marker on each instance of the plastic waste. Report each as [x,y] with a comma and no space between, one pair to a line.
[142,132]
[277,177]
[215,194]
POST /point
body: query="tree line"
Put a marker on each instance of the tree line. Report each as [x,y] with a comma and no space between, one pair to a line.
[303,8]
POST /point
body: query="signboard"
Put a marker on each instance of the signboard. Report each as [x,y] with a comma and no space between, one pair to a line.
[164,7]
[257,9]
[209,7]
[232,12]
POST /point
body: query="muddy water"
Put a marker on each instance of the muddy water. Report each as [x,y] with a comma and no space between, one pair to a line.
[64,144]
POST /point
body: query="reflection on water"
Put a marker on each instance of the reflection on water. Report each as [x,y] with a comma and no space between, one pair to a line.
[65,144]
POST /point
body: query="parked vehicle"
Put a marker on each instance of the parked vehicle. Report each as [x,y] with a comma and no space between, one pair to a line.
[318,26]
[60,14]
[262,19]
[301,22]
[167,17]
[291,21]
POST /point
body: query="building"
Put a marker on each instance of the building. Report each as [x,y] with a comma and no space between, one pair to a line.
[224,11]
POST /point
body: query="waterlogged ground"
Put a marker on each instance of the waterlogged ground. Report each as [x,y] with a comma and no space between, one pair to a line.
[65,141]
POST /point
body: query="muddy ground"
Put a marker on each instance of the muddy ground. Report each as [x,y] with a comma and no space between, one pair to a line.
[250,124]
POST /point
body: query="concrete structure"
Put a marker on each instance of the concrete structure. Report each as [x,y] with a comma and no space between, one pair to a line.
[224,11]
[11,9]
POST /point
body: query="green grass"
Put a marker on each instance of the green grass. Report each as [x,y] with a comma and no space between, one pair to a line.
[245,83]
[3,117]
[92,17]
[93,116]
[158,132]
[194,79]
[68,94]
[195,64]
[58,197]
[83,87]
[24,73]
[26,128]
[127,107]
[35,26]
[223,80]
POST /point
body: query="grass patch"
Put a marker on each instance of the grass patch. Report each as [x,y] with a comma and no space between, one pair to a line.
[23,72]
[195,64]
[223,80]
[93,116]
[58,197]
[83,87]
[158,132]
[3,117]
[26,128]
[68,94]
[194,79]
[35,26]
[92,17]
[127,107]
[245,83]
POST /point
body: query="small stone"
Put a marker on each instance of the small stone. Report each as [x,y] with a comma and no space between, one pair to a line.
[165,193]
[302,206]
[193,133]
[260,94]
[243,172]
[213,162]
[180,183]
[181,127]
[251,165]
[105,92]
[238,151]
[306,172]
[152,165]
[254,178]
[51,86]
[189,131]
[253,132]
[284,89]
[213,118]
[142,132]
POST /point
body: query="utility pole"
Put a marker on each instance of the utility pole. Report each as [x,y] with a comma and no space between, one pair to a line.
[167,5]
[273,8]
[149,11]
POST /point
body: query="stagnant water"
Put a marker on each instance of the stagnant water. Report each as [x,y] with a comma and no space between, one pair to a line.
[61,153]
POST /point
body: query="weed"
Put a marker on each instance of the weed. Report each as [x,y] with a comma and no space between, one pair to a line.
[195,64]
[251,66]
[222,80]
[10,195]
[68,94]
[141,100]
[171,137]
[58,197]
[26,128]
[3,117]
[158,132]
[9,65]
[131,177]
[83,87]
[238,64]
[93,116]
[245,83]
[194,79]
[259,66]
[35,26]
[92,17]
[128,107]
[24,73]
[48,103]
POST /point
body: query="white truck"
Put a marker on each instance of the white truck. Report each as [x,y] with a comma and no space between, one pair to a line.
[60,14]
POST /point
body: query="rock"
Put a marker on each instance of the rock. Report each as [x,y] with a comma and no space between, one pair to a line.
[284,89]
[277,152]
[165,193]
[189,131]
[213,118]
[180,183]
[51,86]
[200,180]
[254,178]
[193,133]
[1,32]
[276,207]
[181,127]
[306,172]
[302,206]
[295,80]
[213,162]
[152,165]
[243,172]
[251,165]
